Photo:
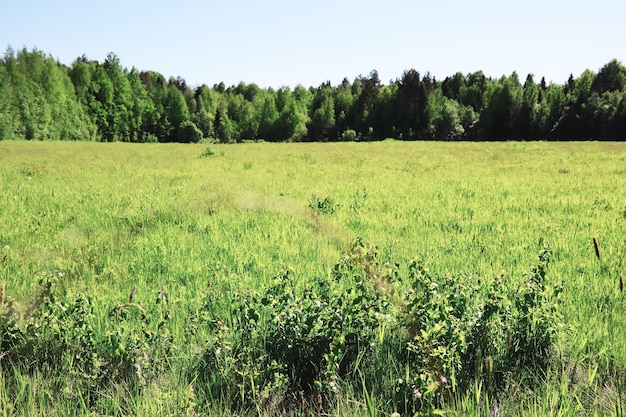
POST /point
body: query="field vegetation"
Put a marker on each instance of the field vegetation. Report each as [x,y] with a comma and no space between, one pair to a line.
[42,99]
[383,278]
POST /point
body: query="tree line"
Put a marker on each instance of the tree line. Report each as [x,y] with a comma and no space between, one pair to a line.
[42,99]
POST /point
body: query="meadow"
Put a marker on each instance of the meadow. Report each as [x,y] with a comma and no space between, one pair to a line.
[298,279]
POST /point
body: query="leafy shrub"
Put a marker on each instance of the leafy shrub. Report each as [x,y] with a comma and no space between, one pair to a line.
[57,338]
[295,341]
[188,132]
[208,151]
[536,318]
[318,333]
[324,205]
[462,331]
[359,200]
[290,340]
[349,135]
[136,348]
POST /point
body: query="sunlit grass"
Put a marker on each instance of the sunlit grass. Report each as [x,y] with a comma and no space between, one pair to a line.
[173,218]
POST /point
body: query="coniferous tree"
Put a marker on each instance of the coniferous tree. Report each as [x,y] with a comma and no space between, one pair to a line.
[367,102]
[412,99]
[523,126]
[571,125]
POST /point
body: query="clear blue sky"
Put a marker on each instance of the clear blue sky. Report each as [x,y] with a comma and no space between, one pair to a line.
[276,43]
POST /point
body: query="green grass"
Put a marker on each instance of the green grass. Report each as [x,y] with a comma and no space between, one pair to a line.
[197,224]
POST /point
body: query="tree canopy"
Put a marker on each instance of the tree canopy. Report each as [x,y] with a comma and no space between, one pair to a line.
[42,99]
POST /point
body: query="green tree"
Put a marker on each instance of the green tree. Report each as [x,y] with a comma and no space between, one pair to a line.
[291,124]
[223,126]
[412,98]
[206,106]
[188,132]
[451,87]
[367,103]
[268,114]
[344,107]
[7,115]
[141,107]
[617,128]
[157,124]
[472,92]
[176,111]
[40,99]
[387,111]
[322,122]
[501,108]
[549,111]
[35,114]
[611,77]
[571,124]
[524,124]
[119,104]
[444,117]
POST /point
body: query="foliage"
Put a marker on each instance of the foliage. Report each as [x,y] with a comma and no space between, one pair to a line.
[290,340]
[188,132]
[58,336]
[207,152]
[324,205]
[349,136]
[462,332]
[43,99]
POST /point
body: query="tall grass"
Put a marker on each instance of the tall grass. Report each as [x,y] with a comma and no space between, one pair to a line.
[109,219]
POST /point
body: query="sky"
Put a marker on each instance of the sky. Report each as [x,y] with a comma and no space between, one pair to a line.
[276,43]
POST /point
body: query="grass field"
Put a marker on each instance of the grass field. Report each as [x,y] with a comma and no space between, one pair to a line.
[191,231]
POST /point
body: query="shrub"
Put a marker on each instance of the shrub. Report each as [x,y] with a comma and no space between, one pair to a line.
[349,135]
[462,331]
[324,205]
[188,132]
[57,339]
[290,340]
[208,151]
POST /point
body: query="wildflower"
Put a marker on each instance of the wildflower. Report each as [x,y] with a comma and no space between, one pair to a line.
[443,380]
[6,247]
[417,393]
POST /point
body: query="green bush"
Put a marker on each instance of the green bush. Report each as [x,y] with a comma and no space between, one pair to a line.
[188,132]
[291,340]
[324,205]
[208,151]
[462,331]
[349,135]
[304,339]
[56,338]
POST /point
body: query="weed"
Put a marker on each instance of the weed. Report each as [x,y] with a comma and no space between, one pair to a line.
[207,152]
[359,200]
[324,205]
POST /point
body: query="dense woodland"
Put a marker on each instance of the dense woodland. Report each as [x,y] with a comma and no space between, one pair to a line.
[42,99]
